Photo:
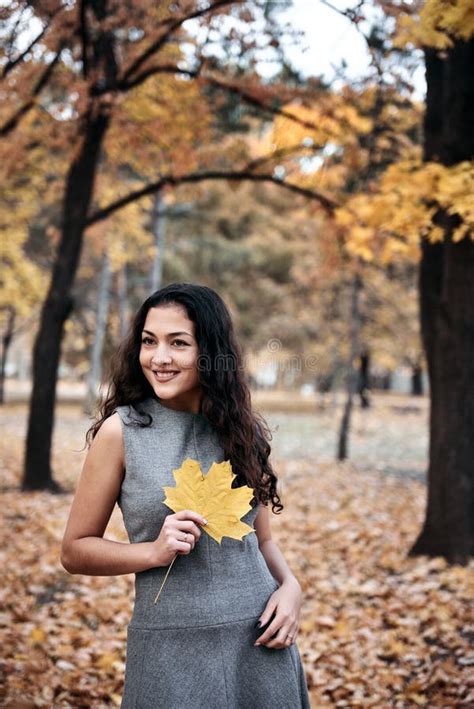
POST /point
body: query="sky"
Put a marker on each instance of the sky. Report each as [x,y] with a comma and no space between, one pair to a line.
[328,38]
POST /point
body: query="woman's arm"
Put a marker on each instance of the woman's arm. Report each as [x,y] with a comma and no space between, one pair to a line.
[282,611]
[270,550]
[84,550]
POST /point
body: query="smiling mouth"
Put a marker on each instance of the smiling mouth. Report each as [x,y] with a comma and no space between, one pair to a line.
[164,376]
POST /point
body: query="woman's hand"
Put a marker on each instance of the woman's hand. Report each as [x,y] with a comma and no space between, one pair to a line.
[179,534]
[285,603]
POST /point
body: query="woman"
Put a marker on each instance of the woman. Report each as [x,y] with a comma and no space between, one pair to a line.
[178,391]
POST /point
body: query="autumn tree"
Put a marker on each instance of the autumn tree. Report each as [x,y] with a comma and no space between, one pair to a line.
[85,63]
[446,282]
[355,133]
[424,201]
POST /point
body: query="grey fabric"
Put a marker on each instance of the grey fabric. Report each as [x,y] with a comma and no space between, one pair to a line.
[194,647]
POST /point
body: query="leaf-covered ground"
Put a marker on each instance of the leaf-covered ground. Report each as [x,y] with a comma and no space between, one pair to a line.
[378,629]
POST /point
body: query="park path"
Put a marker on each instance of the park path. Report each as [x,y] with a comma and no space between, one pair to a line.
[390,437]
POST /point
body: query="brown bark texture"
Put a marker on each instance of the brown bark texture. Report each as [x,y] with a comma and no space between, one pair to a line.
[446,288]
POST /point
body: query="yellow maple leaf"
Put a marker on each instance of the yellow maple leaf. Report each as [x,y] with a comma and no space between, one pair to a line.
[212,497]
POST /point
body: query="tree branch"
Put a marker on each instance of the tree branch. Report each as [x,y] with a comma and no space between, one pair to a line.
[289,151]
[175,24]
[351,13]
[355,18]
[257,102]
[84,35]
[327,203]
[13,121]
[124,85]
[12,63]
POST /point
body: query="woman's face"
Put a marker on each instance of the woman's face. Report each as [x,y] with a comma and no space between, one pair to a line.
[168,344]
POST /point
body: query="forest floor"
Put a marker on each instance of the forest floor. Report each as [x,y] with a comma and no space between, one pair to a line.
[378,628]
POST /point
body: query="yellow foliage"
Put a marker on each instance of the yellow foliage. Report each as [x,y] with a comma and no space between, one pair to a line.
[29,173]
[337,123]
[126,234]
[436,24]
[410,193]
[335,141]
[23,284]
[154,134]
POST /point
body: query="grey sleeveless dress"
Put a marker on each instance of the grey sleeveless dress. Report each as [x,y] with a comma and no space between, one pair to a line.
[194,649]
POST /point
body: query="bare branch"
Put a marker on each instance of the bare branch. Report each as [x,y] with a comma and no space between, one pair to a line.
[257,102]
[13,62]
[327,203]
[173,26]
[13,121]
[123,85]
[218,83]
[354,17]
[84,35]
[289,151]
[352,13]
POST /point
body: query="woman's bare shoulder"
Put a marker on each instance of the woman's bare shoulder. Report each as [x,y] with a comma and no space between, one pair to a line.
[110,428]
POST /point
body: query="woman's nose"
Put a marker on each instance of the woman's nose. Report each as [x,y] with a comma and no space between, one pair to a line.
[160,356]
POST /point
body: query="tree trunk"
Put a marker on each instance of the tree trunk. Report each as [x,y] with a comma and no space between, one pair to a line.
[58,305]
[95,372]
[6,342]
[342,447]
[446,287]
[364,379]
[159,231]
[417,379]
[122,300]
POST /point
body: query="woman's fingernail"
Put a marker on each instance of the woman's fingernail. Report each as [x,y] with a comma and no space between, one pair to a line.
[204,521]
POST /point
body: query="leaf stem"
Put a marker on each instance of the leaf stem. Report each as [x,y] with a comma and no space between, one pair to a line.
[166,576]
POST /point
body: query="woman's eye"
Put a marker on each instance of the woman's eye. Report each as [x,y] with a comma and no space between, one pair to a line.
[148,340]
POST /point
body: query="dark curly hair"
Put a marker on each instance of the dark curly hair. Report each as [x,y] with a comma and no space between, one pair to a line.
[226,403]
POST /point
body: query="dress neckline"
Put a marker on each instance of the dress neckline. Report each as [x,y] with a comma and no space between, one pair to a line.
[177,412]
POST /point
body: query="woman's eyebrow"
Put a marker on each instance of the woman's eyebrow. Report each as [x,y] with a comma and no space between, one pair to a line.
[170,334]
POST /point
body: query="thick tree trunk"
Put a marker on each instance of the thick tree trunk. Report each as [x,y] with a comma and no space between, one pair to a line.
[446,286]
[447,307]
[58,305]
